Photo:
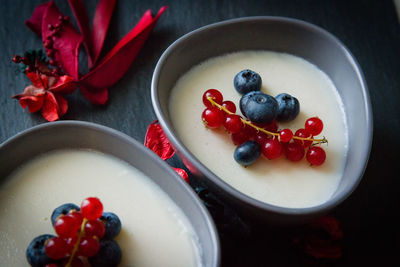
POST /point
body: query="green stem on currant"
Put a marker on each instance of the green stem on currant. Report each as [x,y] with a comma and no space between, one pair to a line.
[76,247]
[259,129]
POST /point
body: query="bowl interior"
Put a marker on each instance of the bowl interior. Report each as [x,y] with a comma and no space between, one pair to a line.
[60,135]
[282,35]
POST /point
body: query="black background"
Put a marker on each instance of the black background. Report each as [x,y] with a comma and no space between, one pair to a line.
[370,29]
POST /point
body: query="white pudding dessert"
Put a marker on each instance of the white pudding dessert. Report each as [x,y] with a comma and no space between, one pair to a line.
[155,232]
[278,182]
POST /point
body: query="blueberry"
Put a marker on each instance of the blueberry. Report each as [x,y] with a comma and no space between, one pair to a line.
[247,81]
[289,107]
[112,224]
[247,153]
[62,210]
[109,254]
[35,253]
[259,107]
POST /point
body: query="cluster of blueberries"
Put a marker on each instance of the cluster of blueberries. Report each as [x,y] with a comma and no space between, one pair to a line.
[109,254]
[261,109]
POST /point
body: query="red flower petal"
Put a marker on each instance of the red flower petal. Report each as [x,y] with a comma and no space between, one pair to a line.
[50,107]
[98,97]
[114,65]
[82,19]
[38,80]
[157,141]
[182,173]
[66,43]
[35,22]
[34,103]
[64,85]
[62,104]
[321,238]
[330,225]
[101,21]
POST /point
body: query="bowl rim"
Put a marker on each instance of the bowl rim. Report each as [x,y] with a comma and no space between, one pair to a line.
[323,207]
[147,152]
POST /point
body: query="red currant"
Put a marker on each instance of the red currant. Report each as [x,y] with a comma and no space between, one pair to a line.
[95,228]
[229,105]
[302,133]
[294,151]
[261,137]
[233,123]
[250,132]
[77,216]
[272,127]
[56,248]
[240,137]
[314,126]
[285,135]
[272,149]
[213,117]
[91,208]
[88,247]
[316,155]
[71,242]
[216,96]
[66,226]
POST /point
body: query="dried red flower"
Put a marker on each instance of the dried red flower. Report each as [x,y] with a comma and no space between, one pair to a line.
[46,94]
[157,141]
[66,41]
[321,238]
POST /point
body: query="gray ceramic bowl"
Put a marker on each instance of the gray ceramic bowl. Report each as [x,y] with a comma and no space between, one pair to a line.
[283,35]
[75,134]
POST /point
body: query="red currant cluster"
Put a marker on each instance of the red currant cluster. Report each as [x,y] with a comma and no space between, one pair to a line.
[78,235]
[273,143]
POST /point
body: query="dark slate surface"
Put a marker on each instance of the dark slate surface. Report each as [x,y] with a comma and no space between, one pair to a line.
[370,29]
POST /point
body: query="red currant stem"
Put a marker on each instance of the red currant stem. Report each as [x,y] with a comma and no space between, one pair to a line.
[76,247]
[319,141]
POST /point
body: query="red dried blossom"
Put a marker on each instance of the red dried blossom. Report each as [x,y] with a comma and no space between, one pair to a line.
[321,238]
[104,73]
[157,141]
[46,94]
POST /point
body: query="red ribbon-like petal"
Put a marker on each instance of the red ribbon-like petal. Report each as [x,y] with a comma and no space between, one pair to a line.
[98,97]
[66,44]
[114,65]
[157,141]
[64,85]
[35,22]
[182,173]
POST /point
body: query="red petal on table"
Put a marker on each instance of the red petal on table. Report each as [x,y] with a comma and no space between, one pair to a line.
[50,107]
[62,104]
[182,173]
[38,80]
[330,225]
[34,103]
[101,21]
[323,249]
[98,97]
[114,65]
[35,22]
[82,19]
[65,85]
[66,43]
[157,141]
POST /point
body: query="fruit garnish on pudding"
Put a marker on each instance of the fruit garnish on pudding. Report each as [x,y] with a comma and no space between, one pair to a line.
[261,110]
[279,181]
[84,235]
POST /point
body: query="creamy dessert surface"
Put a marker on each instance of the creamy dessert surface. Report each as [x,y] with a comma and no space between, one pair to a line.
[279,182]
[154,230]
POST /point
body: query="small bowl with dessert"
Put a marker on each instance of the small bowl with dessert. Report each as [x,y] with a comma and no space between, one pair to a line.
[80,194]
[272,113]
